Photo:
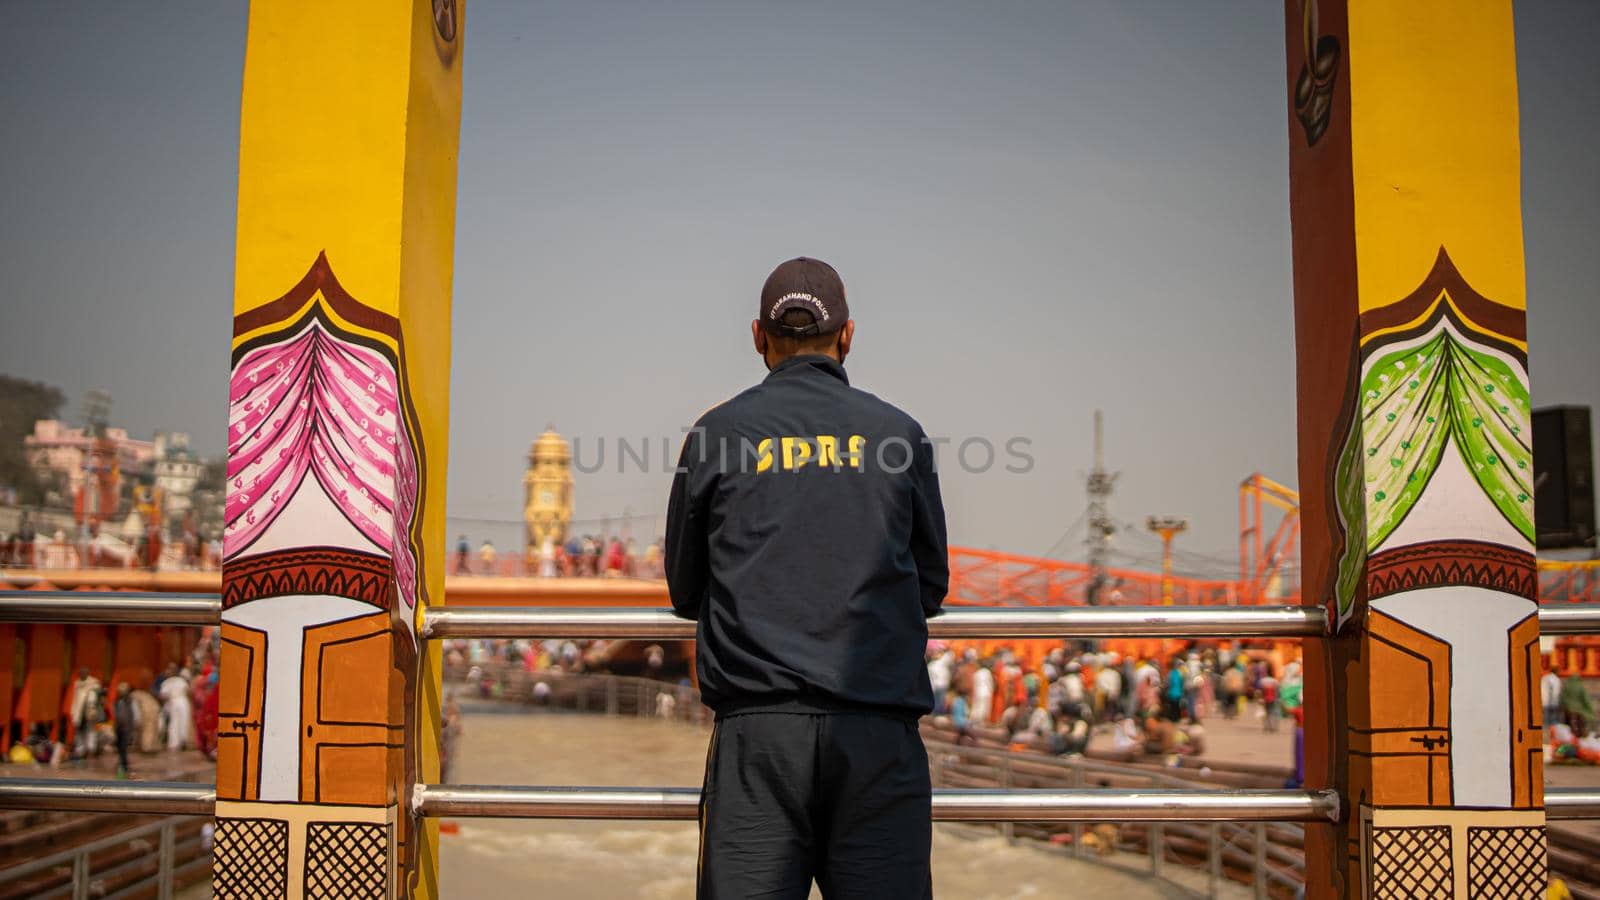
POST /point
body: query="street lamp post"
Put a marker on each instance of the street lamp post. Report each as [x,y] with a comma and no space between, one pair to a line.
[1168,527]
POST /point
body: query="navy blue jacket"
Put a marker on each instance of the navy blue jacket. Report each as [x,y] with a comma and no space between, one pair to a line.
[806,535]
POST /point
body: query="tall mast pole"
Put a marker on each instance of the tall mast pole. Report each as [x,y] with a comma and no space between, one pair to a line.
[1101,528]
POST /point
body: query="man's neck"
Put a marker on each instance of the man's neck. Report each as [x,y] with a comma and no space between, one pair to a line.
[773,360]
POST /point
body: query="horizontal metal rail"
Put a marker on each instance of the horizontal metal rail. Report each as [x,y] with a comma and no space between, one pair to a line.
[1573,618]
[1158,805]
[683,803]
[165,797]
[960,622]
[651,623]
[109,608]
[484,801]
[1572,803]
[62,859]
[949,805]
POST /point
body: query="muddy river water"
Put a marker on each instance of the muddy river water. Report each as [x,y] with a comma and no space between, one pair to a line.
[502,859]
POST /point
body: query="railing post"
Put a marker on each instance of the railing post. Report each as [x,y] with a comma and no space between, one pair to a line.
[1156,837]
[166,853]
[1075,780]
[1008,828]
[1214,856]
[1258,874]
[80,876]
[611,696]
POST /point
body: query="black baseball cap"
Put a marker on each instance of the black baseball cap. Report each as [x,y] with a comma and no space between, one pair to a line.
[808,284]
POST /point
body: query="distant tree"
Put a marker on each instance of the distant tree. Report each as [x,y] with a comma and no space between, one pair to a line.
[209,494]
[213,476]
[22,403]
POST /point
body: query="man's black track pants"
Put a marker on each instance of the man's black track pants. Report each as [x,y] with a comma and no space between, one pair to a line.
[841,798]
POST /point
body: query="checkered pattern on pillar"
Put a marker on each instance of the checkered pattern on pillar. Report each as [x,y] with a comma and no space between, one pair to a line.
[346,860]
[1506,863]
[250,860]
[1412,863]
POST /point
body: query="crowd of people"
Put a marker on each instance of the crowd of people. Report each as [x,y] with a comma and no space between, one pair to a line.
[1055,706]
[178,712]
[481,660]
[89,545]
[1157,706]
[580,556]
[1144,705]
[1570,719]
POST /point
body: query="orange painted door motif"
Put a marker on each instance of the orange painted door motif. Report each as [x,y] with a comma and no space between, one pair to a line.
[353,720]
[239,708]
[1527,729]
[1408,735]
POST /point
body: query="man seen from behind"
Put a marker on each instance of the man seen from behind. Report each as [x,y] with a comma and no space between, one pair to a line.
[806,537]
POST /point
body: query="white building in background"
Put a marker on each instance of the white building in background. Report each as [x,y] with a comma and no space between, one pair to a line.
[166,464]
[177,471]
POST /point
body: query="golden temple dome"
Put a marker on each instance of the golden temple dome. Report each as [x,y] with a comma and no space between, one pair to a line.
[550,447]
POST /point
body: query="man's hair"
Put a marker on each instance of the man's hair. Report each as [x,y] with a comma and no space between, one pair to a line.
[790,345]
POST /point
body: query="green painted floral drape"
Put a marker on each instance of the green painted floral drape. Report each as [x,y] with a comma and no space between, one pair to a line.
[1414,403]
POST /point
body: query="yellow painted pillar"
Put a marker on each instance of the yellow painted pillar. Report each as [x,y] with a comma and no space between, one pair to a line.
[1415,465]
[338,414]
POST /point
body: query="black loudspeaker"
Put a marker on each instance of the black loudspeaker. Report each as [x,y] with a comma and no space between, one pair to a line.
[1563,472]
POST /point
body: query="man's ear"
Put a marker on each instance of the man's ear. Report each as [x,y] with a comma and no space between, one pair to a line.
[759,336]
[846,335]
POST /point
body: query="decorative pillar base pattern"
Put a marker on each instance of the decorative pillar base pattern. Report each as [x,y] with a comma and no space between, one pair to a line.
[273,850]
[1480,854]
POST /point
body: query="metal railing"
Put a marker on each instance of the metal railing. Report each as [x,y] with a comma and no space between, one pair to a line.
[131,608]
[950,805]
[614,695]
[1271,857]
[110,608]
[958,622]
[672,803]
[1572,803]
[1575,619]
[1268,856]
[135,875]
[651,623]
[158,797]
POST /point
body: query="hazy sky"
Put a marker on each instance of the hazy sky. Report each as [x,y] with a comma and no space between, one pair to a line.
[1038,209]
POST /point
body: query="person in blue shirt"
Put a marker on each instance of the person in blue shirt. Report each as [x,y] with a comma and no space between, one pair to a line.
[961,718]
[1172,697]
